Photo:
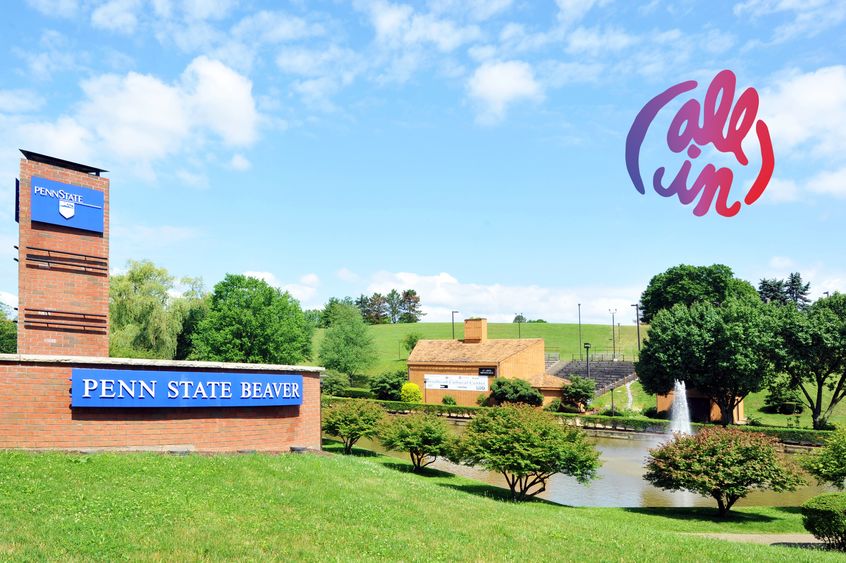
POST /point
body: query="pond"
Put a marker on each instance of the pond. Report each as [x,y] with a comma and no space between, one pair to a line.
[620,480]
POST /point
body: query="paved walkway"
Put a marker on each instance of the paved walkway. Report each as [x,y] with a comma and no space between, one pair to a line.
[767,539]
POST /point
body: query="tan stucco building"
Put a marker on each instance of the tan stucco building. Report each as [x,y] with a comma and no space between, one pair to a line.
[465,369]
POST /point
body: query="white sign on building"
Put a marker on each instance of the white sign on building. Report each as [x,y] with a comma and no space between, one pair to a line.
[456,382]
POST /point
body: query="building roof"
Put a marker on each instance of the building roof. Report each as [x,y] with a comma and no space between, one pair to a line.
[53,161]
[546,381]
[458,352]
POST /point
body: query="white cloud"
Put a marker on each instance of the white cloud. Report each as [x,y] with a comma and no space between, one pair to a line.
[832,182]
[139,119]
[807,111]
[134,236]
[442,293]
[325,71]
[810,17]
[207,9]
[10,300]
[572,11]
[275,27]
[240,163]
[196,180]
[781,262]
[310,279]
[781,191]
[19,101]
[595,41]
[475,9]
[61,8]
[269,277]
[117,15]
[497,85]
[347,275]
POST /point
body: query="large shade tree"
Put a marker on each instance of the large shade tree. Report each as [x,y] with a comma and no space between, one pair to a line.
[812,352]
[250,321]
[348,345]
[691,284]
[724,352]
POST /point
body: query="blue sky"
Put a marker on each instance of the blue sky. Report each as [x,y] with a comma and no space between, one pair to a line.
[472,150]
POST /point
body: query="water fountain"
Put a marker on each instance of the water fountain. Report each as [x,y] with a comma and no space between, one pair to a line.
[680,422]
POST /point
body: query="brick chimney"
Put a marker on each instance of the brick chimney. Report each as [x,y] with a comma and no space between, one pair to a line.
[475,331]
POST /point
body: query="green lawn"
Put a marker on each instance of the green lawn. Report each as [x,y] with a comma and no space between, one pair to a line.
[562,338]
[57,506]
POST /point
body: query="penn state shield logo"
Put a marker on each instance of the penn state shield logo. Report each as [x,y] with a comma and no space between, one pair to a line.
[66,209]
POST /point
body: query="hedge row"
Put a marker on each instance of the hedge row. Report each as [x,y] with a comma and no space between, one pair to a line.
[803,436]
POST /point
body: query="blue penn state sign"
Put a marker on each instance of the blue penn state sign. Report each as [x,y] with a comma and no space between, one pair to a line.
[124,388]
[66,205]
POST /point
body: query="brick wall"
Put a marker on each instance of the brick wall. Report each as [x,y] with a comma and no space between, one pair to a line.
[40,287]
[35,413]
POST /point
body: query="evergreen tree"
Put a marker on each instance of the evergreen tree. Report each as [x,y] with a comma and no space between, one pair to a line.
[394,305]
[410,307]
[772,291]
[796,291]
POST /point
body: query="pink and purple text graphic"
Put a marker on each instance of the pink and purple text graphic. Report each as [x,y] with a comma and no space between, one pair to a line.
[718,121]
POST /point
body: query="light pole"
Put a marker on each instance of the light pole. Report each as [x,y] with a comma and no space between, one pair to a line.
[453,324]
[637,321]
[519,322]
[587,358]
[613,336]
[580,332]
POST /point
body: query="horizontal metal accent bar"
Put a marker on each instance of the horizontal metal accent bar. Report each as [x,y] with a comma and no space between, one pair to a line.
[92,256]
[53,312]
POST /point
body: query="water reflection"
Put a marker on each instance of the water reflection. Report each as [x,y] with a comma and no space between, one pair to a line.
[620,481]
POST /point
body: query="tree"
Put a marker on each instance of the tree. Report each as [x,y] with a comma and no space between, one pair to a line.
[579,392]
[140,322]
[811,350]
[388,385]
[691,284]
[8,331]
[249,321]
[828,464]
[423,436]
[393,302]
[723,463]
[334,383]
[332,309]
[190,309]
[515,391]
[347,345]
[527,446]
[410,393]
[772,291]
[796,291]
[519,319]
[724,352]
[352,420]
[410,341]
[410,307]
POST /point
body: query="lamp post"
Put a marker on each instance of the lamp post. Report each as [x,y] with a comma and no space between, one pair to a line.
[827,294]
[580,332]
[637,321]
[519,322]
[587,358]
[453,324]
[613,336]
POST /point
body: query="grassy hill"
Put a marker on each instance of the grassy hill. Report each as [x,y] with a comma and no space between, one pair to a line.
[562,338]
[56,506]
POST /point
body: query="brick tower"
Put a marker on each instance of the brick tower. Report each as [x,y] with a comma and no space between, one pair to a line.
[63,255]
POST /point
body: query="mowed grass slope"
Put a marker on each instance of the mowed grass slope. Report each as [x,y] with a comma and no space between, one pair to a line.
[562,338]
[57,506]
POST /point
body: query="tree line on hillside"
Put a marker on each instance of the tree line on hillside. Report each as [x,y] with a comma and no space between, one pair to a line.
[727,339]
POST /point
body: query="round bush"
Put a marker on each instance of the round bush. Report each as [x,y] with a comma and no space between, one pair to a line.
[825,517]
[410,393]
[449,400]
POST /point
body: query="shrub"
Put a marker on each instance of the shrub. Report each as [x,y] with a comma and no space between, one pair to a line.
[410,341]
[652,412]
[483,400]
[355,393]
[828,464]
[579,392]
[553,406]
[448,400]
[388,385]
[352,420]
[527,446]
[423,436]
[725,463]
[782,398]
[825,517]
[515,391]
[333,383]
[410,393]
